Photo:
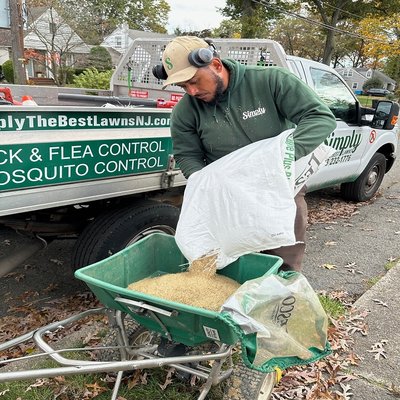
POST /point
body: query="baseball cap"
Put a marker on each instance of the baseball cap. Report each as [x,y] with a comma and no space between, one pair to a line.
[175,58]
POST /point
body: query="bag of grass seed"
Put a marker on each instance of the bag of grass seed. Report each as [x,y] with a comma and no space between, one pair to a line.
[281,321]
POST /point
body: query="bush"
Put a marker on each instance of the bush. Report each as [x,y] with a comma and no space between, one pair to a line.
[372,83]
[8,71]
[91,78]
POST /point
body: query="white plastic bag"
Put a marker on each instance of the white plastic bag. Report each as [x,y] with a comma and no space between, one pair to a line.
[242,203]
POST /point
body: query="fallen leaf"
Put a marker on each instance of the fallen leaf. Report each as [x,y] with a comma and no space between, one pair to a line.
[380,303]
[168,379]
[328,266]
[378,349]
[346,391]
[95,388]
[38,383]
[135,379]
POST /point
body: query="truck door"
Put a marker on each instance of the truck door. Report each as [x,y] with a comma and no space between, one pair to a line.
[348,139]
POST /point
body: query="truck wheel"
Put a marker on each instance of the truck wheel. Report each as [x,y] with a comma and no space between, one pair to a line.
[248,384]
[367,184]
[118,228]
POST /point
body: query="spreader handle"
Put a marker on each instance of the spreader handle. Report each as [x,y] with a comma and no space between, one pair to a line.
[142,304]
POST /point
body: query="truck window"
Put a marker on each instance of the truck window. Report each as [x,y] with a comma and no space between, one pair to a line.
[335,94]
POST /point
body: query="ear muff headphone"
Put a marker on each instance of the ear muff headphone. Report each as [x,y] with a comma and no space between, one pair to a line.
[198,58]
[203,56]
[159,72]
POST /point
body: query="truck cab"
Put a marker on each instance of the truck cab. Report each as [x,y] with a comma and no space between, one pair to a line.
[365,139]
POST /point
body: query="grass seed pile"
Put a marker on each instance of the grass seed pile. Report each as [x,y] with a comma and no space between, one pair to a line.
[199,286]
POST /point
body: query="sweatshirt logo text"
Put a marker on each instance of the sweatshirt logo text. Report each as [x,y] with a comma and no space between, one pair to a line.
[253,113]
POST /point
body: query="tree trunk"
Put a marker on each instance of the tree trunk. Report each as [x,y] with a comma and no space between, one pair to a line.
[248,27]
[17,41]
[329,47]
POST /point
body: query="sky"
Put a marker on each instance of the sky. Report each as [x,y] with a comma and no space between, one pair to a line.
[194,14]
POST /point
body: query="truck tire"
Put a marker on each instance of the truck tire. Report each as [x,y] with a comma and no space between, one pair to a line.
[248,384]
[367,184]
[118,228]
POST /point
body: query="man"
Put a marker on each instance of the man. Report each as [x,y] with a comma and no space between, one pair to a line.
[228,105]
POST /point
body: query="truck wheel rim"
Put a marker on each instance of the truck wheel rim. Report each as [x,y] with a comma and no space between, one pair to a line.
[153,229]
[373,177]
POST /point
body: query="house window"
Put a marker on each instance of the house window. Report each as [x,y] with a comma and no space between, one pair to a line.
[369,74]
[118,41]
[52,28]
[354,85]
[348,73]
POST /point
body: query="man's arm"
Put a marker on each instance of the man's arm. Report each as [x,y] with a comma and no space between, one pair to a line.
[301,105]
[187,146]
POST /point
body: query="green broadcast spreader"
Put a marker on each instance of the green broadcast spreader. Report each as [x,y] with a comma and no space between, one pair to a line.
[151,256]
[155,255]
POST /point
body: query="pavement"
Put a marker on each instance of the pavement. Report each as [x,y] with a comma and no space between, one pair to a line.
[379,370]
[365,249]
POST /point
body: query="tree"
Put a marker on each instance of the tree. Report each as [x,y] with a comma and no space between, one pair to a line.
[349,49]
[373,82]
[256,18]
[99,58]
[95,19]
[392,68]
[17,41]
[205,33]
[296,35]
[382,38]
[334,12]
[228,28]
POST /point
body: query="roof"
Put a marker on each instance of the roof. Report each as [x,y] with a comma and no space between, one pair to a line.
[35,12]
[363,72]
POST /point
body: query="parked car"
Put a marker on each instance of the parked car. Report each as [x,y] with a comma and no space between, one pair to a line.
[378,92]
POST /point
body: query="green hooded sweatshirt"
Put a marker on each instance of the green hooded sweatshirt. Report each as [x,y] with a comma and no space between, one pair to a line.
[260,102]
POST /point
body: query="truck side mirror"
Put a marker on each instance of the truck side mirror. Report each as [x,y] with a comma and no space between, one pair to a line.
[386,115]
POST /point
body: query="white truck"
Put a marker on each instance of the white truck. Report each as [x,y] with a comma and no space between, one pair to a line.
[107,175]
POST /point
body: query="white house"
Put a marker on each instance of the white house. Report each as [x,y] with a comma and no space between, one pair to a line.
[356,77]
[122,37]
[49,36]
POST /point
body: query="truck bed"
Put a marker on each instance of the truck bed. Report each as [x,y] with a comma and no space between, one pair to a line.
[55,156]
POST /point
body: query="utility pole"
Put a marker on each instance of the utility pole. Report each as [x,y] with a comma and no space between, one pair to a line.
[17,41]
